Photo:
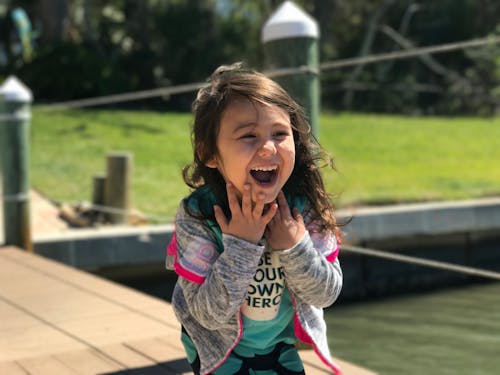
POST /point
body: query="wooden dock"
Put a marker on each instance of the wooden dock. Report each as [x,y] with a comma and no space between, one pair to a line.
[55,320]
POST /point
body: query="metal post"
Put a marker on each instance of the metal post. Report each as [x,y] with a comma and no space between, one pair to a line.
[15,117]
[290,38]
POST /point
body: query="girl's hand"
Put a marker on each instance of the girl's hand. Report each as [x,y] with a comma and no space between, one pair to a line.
[248,221]
[284,230]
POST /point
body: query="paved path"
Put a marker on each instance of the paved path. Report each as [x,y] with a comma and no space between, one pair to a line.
[55,319]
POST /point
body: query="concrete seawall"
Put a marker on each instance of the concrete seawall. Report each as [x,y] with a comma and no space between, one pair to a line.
[464,232]
[423,219]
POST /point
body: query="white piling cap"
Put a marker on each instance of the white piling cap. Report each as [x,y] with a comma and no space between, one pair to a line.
[13,90]
[289,21]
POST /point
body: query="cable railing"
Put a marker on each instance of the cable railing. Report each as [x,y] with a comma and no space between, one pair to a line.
[445,266]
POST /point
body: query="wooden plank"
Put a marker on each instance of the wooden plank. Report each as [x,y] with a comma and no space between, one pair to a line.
[89,283]
[12,368]
[168,354]
[92,318]
[125,355]
[157,349]
[80,278]
[47,365]
[89,362]
[164,313]
[27,336]
[109,328]
[47,296]
[136,362]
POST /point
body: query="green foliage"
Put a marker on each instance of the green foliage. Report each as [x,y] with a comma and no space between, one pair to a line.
[479,91]
[121,45]
[140,46]
[68,71]
[410,85]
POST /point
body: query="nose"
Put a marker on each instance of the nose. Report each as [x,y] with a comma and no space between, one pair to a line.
[267,148]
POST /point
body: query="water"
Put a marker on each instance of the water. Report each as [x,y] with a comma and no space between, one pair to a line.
[447,332]
[452,331]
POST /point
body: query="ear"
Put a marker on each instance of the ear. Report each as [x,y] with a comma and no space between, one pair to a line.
[212,163]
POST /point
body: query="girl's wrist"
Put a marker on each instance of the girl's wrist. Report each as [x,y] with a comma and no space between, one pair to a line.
[291,245]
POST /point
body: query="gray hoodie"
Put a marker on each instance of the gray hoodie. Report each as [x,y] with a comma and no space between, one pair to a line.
[213,283]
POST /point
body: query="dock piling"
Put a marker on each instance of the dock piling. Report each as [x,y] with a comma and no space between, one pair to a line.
[290,38]
[15,117]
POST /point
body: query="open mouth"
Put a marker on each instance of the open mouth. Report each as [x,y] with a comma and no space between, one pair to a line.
[264,175]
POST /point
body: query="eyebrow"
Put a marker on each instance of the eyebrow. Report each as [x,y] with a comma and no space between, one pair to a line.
[253,124]
[244,125]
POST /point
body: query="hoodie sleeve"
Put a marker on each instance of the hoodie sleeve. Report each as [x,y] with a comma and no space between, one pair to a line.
[312,269]
[213,281]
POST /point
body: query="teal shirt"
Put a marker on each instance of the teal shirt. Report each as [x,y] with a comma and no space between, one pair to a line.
[260,337]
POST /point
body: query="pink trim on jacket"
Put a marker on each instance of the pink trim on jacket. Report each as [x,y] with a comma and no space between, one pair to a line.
[228,353]
[172,246]
[179,270]
[331,257]
[302,335]
[188,275]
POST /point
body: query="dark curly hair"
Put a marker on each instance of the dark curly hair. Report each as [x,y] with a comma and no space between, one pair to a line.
[233,81]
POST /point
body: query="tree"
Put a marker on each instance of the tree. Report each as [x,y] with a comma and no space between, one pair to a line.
[95,47]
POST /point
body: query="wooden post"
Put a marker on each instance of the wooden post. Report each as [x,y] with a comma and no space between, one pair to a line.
[117,186]
[98,189]
[15,116]
[98,196]
[290,38]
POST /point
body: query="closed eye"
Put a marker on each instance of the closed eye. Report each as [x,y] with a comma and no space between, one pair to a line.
[247,136]
[281,134]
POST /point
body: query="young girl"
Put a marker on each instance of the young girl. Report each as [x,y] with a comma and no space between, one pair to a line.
[255,245]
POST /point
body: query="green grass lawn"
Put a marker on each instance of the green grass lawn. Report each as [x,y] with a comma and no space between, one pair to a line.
[380,159]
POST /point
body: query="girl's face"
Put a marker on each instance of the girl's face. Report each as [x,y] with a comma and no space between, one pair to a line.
[255,146]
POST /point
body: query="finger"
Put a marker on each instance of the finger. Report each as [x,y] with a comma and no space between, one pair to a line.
[298,216]
[246,201]
[277,215]
[232,198]
[270,214]
[220,217]
[283,205]
[259,206]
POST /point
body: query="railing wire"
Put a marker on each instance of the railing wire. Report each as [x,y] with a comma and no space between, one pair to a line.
[422,262]
[337,64]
